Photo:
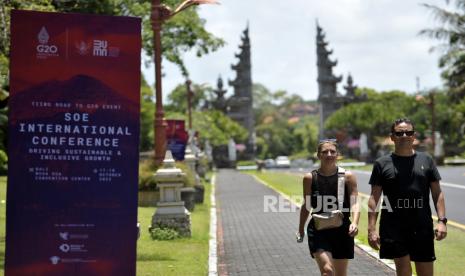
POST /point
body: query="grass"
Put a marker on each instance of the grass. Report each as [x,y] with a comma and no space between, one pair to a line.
[185,256]
[450,252]
[286,183]
[368,167]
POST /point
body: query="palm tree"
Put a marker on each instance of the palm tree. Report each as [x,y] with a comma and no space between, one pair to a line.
[451,33]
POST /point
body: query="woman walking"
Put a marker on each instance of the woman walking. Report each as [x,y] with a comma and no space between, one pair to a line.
[331,193]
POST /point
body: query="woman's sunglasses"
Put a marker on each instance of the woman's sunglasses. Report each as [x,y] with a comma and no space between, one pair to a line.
[401,133]
[330,140]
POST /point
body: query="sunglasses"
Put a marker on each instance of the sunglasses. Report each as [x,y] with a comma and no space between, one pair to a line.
[401,133]
[322,141]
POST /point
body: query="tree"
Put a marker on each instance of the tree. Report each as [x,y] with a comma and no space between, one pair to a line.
[374,116]
[278,130]
[181,33]
[275,104]
[213,126]
[307,130]
[177,99]
[452,35]
[147,109]
[450,121]
[459,117]
[5,7]
[218,128]
[275,139]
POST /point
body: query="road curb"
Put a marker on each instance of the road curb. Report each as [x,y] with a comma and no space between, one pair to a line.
[212,249]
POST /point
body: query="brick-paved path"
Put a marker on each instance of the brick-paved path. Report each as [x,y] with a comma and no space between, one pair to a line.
[252,242]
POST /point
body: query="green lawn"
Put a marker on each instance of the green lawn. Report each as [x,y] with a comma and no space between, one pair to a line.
[368,168]
[450,252]
[286,183]
[177,257]
[187,256]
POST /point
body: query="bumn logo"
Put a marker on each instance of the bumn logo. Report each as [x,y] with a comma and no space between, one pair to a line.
[45,50]
[100,48]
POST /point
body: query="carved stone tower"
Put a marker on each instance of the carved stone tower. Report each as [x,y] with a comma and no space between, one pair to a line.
[350,96]
[328,97]
[350,88]
[220,102]
[240,104]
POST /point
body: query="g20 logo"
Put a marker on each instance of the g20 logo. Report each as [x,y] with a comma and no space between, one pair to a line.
[47,49]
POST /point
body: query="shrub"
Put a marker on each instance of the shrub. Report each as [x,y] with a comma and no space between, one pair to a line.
[164,234]
[190,176]
[147,169]
[203,166]
[3,162]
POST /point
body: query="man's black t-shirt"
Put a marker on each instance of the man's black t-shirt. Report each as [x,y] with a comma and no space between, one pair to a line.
[405,181]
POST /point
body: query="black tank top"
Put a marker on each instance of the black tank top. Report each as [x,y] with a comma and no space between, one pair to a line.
[327,186]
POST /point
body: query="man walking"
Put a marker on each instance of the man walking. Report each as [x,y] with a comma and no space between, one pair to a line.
[406,177]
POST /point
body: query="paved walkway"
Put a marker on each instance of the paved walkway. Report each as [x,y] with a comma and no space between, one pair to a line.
[254,242]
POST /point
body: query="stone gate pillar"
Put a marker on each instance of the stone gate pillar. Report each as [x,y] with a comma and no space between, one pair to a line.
[171,212]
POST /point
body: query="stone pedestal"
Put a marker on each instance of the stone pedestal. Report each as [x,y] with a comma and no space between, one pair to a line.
[190,160]
[188,197]
[201,168]
[199,193]
[171,212]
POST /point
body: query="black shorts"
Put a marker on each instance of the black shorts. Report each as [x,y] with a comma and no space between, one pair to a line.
[418,244]
[336,240]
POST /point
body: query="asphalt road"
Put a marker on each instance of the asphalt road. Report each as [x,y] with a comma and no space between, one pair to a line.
[452,183]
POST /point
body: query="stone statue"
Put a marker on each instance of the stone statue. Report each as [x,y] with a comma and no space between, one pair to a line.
[220,102]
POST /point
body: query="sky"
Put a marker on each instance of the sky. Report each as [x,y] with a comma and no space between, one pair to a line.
[376,41]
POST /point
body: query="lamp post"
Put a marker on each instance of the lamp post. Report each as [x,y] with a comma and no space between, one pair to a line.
[161,13]
[189,102]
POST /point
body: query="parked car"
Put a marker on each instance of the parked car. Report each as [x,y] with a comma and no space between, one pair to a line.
[283,162]
[270,163]
[302,163]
